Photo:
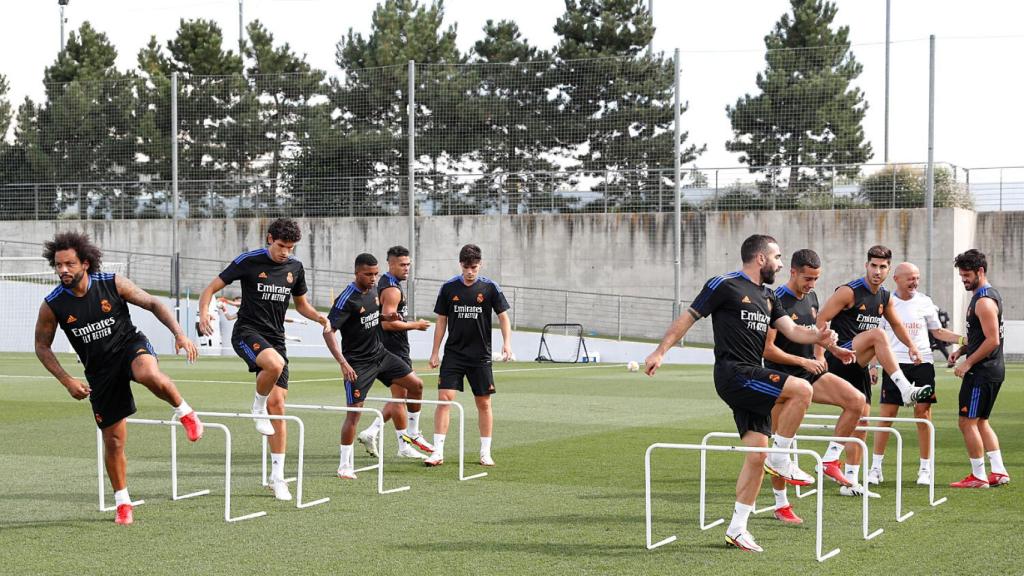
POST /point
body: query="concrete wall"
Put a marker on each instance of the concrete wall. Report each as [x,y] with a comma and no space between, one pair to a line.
[627,254]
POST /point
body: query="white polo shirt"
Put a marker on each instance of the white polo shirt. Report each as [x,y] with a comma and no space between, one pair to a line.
[919,315]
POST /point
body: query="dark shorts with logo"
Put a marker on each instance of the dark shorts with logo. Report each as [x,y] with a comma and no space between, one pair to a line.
[386,367]
[794,371]
[922,374]
[479,374]
[248,344]
[854,373]
[111,395]
[978,393]
[751,391]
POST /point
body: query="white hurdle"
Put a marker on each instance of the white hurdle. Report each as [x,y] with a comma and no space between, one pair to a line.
[174,467]
[865,501]
[895,419]
[379,466]
[302,446]
[900,516]
[703,448]
[462,429]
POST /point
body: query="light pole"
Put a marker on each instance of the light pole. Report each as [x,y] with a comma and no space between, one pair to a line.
[62,4]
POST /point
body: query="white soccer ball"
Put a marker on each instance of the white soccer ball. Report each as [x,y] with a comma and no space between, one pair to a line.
[633,366]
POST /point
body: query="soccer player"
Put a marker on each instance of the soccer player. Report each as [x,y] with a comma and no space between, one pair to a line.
[396,341]
[920,317]
[363,359]
[270,278]
[464,306]
[807,361]
[92,309]
[855,310]
[982,371]
[742,309]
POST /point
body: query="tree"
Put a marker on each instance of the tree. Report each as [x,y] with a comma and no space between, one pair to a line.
[902,186]
[616,102]
[807,113]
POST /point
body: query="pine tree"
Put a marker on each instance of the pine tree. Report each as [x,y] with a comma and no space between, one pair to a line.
[807,119]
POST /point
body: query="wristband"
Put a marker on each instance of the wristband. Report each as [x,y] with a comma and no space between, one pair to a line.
[962,340]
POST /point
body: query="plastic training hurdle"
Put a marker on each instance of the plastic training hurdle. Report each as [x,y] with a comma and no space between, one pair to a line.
[865,499]
[703,448]
[173,424]
[905,420]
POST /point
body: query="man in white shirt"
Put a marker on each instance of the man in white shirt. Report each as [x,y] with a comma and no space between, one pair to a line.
[920,317]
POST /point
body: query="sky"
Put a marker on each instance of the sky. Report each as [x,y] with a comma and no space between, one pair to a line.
[978,45]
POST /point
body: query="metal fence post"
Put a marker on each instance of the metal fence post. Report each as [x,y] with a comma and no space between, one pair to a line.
[677,228]
[618,319]
[411,283]
[35,190]
[930,186]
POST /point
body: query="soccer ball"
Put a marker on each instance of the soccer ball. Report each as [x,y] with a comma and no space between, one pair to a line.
[633,366]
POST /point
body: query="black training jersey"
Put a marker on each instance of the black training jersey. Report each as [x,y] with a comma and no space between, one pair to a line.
[98,324]
[804,312]
[267,288]
[357,316]
[993,363]
[395,342]
[865,314]
[468,309]
[741,312]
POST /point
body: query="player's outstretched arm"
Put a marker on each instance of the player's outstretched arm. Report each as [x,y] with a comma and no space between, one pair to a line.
[204,304]
[132,293]
[506,336]
[435,351]
[773,353]
[46,328]
[390,298]
[676,331]
[302,306]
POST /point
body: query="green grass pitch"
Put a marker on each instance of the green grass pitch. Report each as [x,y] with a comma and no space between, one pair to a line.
[567,496]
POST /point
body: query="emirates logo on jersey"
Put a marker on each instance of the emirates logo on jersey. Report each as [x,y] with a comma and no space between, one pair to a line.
[72,319]
[289,278]
[263,275]
[105,306]
[745,300]
[479,298]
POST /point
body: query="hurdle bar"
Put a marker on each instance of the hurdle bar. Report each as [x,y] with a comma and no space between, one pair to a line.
[462,429]
[865,502]
[894,419]
[703,448]
[302,446]
[379,466]
[174,467]
[900,516]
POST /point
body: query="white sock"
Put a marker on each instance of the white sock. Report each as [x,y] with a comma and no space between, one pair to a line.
[414,424]
[926,465]
[778,460]
[346,456]
[900,380]
[995,457]
[374,426]
[182,409]
[121,497]
[834,450]
[399,434]
[851,473]
[260,403]
[876,461]
[781,500]
[439,445]
[276,466]
[739,518]
[978,468]
[485,444]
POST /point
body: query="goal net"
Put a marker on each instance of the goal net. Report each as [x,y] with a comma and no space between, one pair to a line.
[24,283]
[562,343]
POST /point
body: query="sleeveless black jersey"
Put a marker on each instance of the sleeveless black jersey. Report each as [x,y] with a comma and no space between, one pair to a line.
[804,312]
[98,324]
[468,309]
[395,342]
[356,315]
[267,288]
[865,314]
[741,312]
[992,364]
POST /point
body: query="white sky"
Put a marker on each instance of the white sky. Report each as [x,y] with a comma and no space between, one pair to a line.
[979,44]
